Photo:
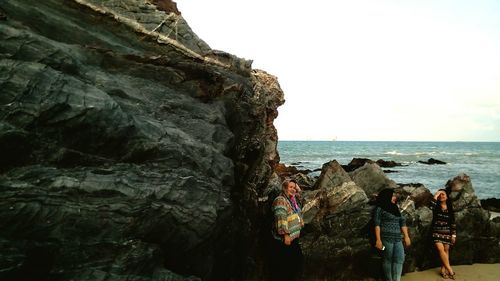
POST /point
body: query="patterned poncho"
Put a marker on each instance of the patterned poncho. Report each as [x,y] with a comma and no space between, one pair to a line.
[287,217]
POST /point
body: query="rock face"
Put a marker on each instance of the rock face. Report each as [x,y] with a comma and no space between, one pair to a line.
[130,149]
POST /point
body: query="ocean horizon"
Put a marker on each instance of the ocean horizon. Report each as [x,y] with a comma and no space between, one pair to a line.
[480,160]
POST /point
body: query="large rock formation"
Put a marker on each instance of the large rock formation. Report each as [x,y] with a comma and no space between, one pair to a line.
[129,149]
[336,239]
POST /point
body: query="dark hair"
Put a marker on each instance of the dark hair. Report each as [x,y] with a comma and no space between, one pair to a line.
[384,201]
[449,204]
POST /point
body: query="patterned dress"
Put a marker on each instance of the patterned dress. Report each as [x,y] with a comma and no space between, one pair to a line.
[443,224]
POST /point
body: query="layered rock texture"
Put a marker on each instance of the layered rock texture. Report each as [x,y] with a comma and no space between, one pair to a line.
[130,150]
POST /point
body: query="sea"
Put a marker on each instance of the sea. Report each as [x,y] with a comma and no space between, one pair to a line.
[479,160]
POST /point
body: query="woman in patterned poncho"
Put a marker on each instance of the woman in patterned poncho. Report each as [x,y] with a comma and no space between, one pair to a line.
[287,225]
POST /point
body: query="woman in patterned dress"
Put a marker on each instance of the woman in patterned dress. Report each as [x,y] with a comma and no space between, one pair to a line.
[444,231]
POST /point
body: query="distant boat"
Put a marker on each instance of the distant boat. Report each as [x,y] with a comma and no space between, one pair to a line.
[334,138]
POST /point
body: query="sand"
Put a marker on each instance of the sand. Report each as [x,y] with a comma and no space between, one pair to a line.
[475,272]
[494,215]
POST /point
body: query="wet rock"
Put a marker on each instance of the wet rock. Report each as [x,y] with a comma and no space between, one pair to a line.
[388,164]
[491,204]
[432,161]
[356,163]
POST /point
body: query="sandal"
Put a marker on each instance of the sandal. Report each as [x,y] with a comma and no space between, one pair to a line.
[452,276]
[444,275]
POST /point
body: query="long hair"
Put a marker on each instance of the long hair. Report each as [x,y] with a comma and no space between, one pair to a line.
[449,204]
[384,201]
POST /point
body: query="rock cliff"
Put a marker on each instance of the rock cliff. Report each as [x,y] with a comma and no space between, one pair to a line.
[130,150]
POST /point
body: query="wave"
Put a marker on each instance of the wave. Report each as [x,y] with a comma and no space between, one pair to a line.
[430,153]
[395,152]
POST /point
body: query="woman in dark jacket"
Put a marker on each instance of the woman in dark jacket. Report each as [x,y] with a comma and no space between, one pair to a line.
[444,231]
[390,225]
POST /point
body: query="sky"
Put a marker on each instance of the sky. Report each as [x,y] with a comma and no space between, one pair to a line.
[369,70]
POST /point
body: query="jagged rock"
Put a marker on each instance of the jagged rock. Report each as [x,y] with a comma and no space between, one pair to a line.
[285,171]
[360,162]
[333,238]
[293,172]
[356,163]
[130,149]
[419,194]
[371,179]
[332,200]
[332,175]
[304,181]
[462,193]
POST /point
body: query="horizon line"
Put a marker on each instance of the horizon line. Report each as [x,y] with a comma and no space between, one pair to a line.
[326,140]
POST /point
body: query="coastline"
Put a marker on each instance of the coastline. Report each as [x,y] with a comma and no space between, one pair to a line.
[473,159]
[474,272]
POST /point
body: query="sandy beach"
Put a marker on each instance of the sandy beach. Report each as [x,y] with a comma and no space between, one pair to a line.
[475,272]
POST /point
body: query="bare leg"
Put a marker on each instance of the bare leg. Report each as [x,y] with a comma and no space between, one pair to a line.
[443,255]
[447,251]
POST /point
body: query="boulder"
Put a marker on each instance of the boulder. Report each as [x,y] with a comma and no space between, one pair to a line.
[332,175]
[356,163]
[304,181]
[371,179]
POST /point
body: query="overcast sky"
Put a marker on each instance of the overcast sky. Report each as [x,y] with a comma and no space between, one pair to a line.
[421,70]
